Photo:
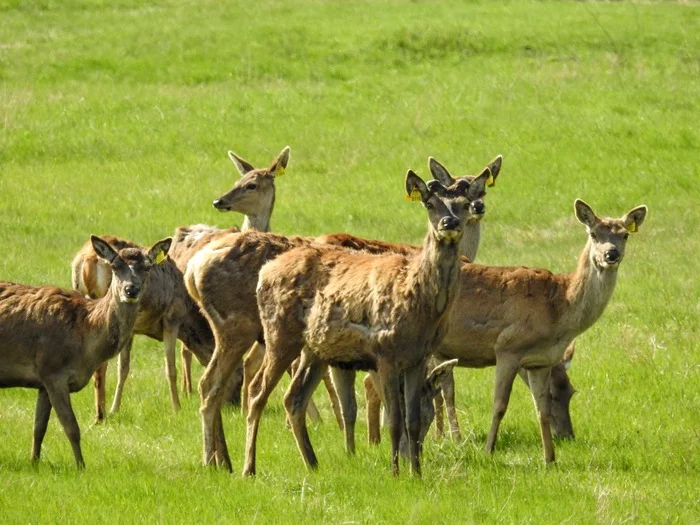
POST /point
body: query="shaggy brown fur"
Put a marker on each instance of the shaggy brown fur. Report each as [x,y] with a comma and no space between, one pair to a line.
[53,339]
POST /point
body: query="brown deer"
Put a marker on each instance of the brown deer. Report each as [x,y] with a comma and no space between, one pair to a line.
[356,310]
[167,312]
[53,339]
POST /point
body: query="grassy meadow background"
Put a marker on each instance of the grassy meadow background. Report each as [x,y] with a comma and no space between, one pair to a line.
[115,117]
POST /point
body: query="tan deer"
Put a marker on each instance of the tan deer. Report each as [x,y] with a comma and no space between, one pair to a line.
[361,311]
[167,311]
[53,339]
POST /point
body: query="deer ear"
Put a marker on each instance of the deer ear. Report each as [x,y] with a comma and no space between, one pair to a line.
[584,213]
[437,374]
[479,183]
[495,167]
[440,173]
[103,249]
[243,166]
[159,251]
[279,165]
[416,189]
[634,218]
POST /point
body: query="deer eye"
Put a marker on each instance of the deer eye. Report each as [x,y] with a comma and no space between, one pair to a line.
[428,206]
[252,186]
[625,236]
[593,236]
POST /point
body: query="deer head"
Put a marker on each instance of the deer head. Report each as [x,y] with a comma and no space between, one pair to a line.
[130,266]
[472,187]
[254,193]
[608,237]
[445,225]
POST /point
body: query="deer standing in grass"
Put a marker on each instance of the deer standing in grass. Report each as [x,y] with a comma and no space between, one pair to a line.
[167,312]
[362,311]
[53,339]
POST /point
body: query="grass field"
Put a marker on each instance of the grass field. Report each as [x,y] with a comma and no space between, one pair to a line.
[115,117]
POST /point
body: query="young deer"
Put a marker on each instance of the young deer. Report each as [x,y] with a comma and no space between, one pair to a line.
[167,312]
[53,339]
[361,311]
[526,318]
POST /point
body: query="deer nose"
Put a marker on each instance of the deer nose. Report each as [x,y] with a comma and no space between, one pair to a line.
[479,207]
[217,203]
[132,291]
[449,223]
[612,255]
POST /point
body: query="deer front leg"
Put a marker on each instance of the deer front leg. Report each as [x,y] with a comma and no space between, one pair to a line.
[539,379]
[390,383]
[373,407]
[505,374]
[123,364]
[333,396]
[305,380]
[439,415]
[169,347]
[41,421]
[59,397]
[447,387]
[99,379]
[186,360]
[344,383]
[413,384]
[251,365]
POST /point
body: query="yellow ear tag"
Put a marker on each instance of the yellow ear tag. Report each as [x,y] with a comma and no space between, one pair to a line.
[490,181]
[632,227]
[279,171]
[160,257]
[415,195]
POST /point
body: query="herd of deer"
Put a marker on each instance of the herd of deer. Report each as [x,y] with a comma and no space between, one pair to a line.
[255,302]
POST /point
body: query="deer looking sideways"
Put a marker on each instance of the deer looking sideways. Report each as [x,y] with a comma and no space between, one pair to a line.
[167,312]
[357,310]
[53,339]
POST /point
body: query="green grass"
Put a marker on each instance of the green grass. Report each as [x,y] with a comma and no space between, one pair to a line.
[115,117]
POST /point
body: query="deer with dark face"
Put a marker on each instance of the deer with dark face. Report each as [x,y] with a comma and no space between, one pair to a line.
[53,339]
[359,311]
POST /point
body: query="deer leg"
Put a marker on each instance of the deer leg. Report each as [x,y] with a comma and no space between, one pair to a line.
[41,421]
[59,398]
[539,384]
[413,379]
[186,360]
[123,364]
[447,386]
[373,408]
[234,387]
[212,385]
[344,383]
[306,378]
[312,409]
[439,403]
[505,374]
[99,378]
[261,387]
[169,347]
[390,382]
[333,395]
[251,365]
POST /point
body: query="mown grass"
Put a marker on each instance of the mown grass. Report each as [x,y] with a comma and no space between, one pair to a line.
[116,117]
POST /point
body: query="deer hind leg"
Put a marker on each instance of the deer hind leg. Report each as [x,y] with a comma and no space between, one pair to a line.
[505,374]
[447,387]
[390,384]
[312,410]
[123,364]
[251,366]
[539,379]
[41,421]
[344,385]
[261,387]
[99,379]
[333,396]
[227,355]
[169,347]
[373,402]
[59,398]
[305,380]
[186,361]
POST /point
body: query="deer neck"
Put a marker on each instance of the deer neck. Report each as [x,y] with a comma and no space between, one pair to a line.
[111,324]
[261,220]
[589,291]
[435,273]
[469,244]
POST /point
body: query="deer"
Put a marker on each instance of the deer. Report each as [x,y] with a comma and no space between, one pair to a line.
[350,309]
[471,210]
[53,339]
[167,312]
